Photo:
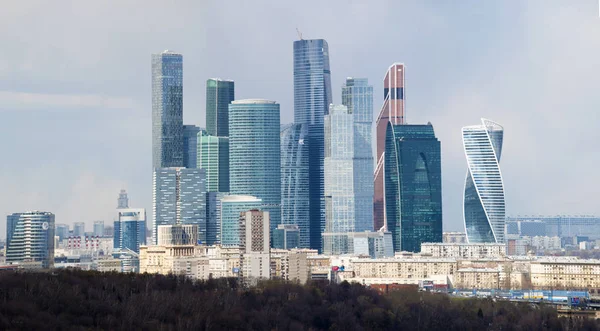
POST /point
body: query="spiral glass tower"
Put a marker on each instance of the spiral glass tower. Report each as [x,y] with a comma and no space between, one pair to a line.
[484,206]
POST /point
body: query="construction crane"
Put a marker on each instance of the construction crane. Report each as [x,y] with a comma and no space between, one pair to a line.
[299,33]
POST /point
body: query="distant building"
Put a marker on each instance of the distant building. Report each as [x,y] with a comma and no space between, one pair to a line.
[30,238]
[464,251]
[62,231]
[213,219]
[255,259]
[177,234]
[231,207]
[454,237]
[562,225]
[213,157]
[123,201]
[99,228]
[286,236]
[130,229]
[219,94]
[78,229]
[377,244]
[190,145]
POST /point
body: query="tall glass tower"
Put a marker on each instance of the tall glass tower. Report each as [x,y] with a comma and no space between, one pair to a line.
[484,189]
[295,200]
[30,237]
[219,94]
[230,209]
[190,145]
[413,186]
[213,156]
[130,229]
[312,97]
[167,110]
[254,154]
[357,95]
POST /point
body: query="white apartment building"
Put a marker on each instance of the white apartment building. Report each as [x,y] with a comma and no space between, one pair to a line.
[464,251]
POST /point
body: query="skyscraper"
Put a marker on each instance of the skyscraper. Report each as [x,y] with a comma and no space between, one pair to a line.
[357,95]
[78,229]
[62,231]
[190,145]
[167,110]
[99,228]
[179,198]
[312,97]
[254,153]
[30,238]
[213,218]
[130,229]
[392,111]
[123,201]
[286,236]
[231,207]
[219,94]
[213,156]
[413,186]
[295,202]
[484,188]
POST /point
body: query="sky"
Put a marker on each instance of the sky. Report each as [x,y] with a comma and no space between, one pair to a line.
[75,88]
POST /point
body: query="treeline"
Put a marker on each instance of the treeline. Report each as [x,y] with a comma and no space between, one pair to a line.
[78,300]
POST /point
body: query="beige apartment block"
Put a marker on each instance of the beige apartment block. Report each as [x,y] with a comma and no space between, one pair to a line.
[566,273]
[463,250]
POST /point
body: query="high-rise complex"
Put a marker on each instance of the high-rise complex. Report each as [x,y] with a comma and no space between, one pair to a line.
[78,229]
[357,95]
[190,144]
[295,198]
[123,201]
[254,153]
[413,186]
[219,94]
[179,197]
[392,112]
[484,190]
[98,228]
[312,97]
[167,110]
[213,156]
[30,238]
[286,236]
[130,229]
[231,207]
[213,218]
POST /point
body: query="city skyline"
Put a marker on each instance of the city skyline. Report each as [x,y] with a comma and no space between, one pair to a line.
[507,77]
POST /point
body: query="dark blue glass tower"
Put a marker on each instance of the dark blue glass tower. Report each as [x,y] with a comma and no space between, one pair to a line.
[413,186]
[312,97]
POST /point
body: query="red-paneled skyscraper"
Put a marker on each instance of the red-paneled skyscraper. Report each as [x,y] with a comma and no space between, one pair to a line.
[391,111]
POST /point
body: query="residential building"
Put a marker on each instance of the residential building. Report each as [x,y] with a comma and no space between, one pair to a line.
[167,110]
[413,186]
[566,273]
[464,251]
[255,259]
[254,154]
[30,238]
[231,207]
[312,97]
[392,111]
[130,229]
[177,234]
[286,236]
[219,94]
[213,156]
[454,237]
[99,228]
[484,190]
[190,145]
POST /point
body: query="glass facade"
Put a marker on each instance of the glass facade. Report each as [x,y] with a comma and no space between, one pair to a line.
[78,229]
[484,207]
[213,156]
[99,228]
[286,236]
[30,237]
[167,110]
[219,94]
[130,229]
[213,218]
[357,95]
[312,97]
[558,226]
[255,153]
[179,198]
[190,145]
[62,231]
[413,186]
[231,207]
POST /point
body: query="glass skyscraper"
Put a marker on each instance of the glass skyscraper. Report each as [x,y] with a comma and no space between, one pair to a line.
[213,217]
[30,238]
[130,229]
[167,110]
[179,197]
[357,95]
[312,97]
[213,156]
[294,180]
[190,145]
[99,228]
[484,190]
[413,186]
[219,94]
[254,153]
[231,208]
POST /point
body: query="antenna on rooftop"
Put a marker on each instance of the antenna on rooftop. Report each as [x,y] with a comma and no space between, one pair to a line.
[299,33]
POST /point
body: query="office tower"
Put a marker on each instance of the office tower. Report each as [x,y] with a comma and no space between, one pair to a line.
[484,189]
[377,244]
[254,153]
[62,231]
[130,229]
[286,236]
[213,156]
[167,110]
[177,234]
[98,228]
[179,198]
[78,229]
[413,186]
[312,97]
[190,145]
[357,95]
[123,201]
[392,112]
[339,178]
[30,238]
[231,207]
[295,198]
[219,94]
[254,244]
[213,218]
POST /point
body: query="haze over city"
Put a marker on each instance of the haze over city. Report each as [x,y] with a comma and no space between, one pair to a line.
[75,89]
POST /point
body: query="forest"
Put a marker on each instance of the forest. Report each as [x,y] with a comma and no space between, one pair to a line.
[85,300]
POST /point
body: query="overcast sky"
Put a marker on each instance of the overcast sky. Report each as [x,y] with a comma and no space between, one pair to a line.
[75,92]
